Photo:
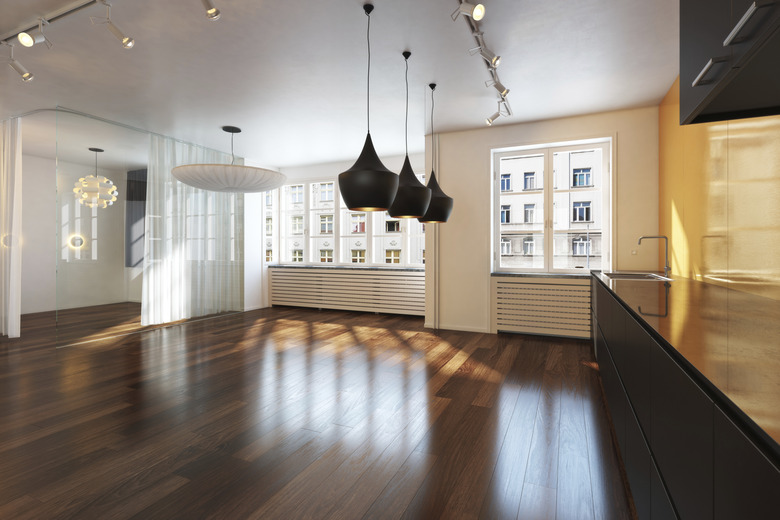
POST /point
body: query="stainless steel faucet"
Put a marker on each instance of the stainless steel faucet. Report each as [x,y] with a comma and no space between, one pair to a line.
[666,251]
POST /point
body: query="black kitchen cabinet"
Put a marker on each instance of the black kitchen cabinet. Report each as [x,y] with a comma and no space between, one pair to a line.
[635,369]
[661,507]
[746,483]
[681,436]
[638,462]
[728,59]
[616,397]
[703,60]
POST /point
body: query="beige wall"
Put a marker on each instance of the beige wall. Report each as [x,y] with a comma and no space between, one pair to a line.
[458,272]
[720,199]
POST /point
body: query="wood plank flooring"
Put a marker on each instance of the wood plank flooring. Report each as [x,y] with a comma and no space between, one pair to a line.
[294,413]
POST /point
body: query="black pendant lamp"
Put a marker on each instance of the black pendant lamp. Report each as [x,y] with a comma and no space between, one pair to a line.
[441,205]
[413,197]
[368,185]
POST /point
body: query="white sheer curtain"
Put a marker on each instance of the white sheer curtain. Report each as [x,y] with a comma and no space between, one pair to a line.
[193,244]
[10,227]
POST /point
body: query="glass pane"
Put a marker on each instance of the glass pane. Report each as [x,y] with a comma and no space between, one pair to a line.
[521,211]
[577,211]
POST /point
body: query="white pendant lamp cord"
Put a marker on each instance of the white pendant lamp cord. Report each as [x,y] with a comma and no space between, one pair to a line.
[233,155]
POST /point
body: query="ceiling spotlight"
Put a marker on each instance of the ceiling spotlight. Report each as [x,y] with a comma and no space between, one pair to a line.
[502,90]
[23,72]
[503,110]
[126,41]
[18,67]
[489,56]
[212,13]
[476,12]
[30,38]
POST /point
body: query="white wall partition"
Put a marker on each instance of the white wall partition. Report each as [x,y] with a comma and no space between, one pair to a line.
[193,246]
[10,227]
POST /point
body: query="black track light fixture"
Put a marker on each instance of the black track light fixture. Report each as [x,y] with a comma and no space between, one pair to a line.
[441,205]
[413,197]
[368,185]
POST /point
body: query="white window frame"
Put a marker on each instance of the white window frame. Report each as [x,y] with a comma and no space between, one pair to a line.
[357,257]
[326,192]
[606,201]
[506,246]
[392,256]
[586,211]
[296,224]
[582,243]
[506,186]
[588,175]
[296,257]
[529,246]
[532,176]
[506,214]
[529,210]
[326,224]
[326,256]
[296,194]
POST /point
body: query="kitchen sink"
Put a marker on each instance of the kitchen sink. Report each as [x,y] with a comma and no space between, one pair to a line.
[638,276]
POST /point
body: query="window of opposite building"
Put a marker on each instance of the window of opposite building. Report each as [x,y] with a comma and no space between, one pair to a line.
[566,209]
[506,182]
[307,222]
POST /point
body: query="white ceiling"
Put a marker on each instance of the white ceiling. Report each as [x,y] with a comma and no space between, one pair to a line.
[291,74]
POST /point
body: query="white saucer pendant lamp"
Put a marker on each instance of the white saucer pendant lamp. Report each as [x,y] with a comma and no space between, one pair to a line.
[368,185]
[229,178]
[413,197]
[95,191]
[441,205]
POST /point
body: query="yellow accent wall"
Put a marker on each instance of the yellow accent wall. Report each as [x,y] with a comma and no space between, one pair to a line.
[719,199]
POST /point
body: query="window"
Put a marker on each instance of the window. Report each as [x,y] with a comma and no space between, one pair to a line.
[296,194]
[392,256]
[560,220]
[326,224]
[506,182]
[358,256]
[581,212]
[296,222]
[269,198]
[358,222]
[580,246]
[505,214]
[528,246]
[529,181]
[423,256]
[581,177]
[326,192]
[310,217]
[528,213]
[269,255]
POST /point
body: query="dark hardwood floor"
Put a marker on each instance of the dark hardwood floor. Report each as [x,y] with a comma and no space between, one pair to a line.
[292,413]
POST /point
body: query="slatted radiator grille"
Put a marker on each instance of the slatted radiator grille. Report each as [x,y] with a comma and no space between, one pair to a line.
[395,292]
[553,307]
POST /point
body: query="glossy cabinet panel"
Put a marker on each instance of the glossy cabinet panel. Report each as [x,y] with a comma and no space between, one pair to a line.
[746,484]
[681,436]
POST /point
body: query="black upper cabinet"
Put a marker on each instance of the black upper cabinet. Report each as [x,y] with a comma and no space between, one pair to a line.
[728,59]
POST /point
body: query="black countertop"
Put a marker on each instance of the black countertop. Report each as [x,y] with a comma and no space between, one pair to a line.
[728,339]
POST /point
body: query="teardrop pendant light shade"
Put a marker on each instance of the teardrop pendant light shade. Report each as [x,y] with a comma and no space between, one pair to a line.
[441,205]
[368,185]
[412,197]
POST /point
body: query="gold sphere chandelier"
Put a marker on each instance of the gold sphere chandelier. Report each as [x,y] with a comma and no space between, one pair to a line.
[95,190]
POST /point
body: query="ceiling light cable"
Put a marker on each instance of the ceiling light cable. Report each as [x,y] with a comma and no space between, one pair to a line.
[127,42]
[212,13]
[31,37]
[18,67]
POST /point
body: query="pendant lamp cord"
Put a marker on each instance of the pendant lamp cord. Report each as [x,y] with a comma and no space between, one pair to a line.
[233,155]
[433,137]
[96,164]
[368,75]
[406,123]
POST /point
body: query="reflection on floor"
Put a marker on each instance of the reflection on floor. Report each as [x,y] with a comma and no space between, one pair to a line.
[292,413]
